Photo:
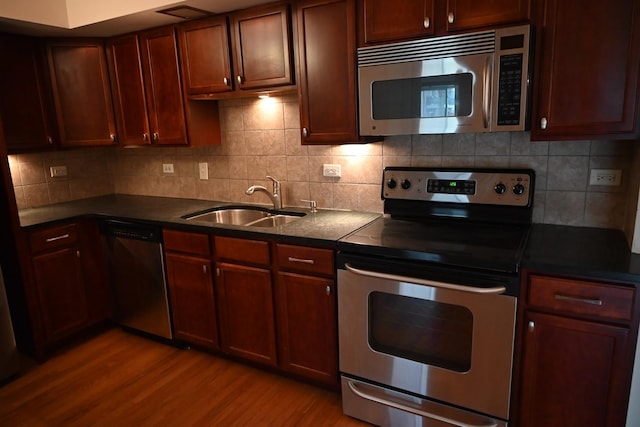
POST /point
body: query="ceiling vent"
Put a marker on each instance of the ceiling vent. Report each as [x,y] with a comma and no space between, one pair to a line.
[185,12]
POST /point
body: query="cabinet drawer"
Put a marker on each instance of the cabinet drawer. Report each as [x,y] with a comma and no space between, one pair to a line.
[190,243]
[302,258]
[578,297]
[243,250]
[53,237]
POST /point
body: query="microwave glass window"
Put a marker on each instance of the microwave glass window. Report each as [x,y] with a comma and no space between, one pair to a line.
[429,332]
[423,97]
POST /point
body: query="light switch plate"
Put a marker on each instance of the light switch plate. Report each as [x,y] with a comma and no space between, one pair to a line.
[58,171]
[203,170]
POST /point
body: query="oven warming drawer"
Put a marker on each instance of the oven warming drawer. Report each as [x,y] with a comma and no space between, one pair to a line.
[384,407]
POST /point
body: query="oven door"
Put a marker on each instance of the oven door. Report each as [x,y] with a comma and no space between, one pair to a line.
[443,340]
[443,95]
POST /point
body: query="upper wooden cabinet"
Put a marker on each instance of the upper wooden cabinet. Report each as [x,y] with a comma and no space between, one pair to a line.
[326,52]
[25,104]
[383,21]
[147,91]
[587,70]
[262,47]
[204,51]
[81,92]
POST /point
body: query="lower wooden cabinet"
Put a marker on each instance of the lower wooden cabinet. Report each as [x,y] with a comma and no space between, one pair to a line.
[190,283]
[577,353]
[64,282]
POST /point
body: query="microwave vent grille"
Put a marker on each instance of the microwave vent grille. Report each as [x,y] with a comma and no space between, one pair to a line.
[425,49]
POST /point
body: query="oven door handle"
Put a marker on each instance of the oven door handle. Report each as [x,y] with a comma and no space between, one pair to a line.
[435,284]
[417,411]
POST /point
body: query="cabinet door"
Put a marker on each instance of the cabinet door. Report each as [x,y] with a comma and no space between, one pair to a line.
[586,84]
[573,373]
[61,290]
[262,47]
[163,86]
[24,104]
[386,21]
[326,71]
[192,301]
[81,93]
[307,327]
[127,85]
[245,305]
[462,14]
[204,54]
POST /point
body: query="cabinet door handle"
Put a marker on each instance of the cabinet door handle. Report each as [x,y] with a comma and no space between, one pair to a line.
[426,23]
[156,136]
[304,261]
[61,237]
[204,269]
[218,273]
[592,301]
[531,326]
[78,254]
[225,81]
[112,137]
[239,79]
[543,123]
[328,290]
[50,140]
[145,136]
[305,132]
[450,17]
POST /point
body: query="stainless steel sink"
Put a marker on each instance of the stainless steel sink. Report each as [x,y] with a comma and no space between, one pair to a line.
[249,216]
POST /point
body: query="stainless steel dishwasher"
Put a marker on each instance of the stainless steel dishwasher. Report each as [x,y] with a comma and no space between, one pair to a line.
[137,277]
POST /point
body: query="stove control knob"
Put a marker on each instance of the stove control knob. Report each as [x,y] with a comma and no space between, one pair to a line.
[500,188]
[405,184]
[392,183]
[518,189]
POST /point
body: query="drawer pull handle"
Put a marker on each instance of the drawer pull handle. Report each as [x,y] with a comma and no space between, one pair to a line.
[53,239]
[593,301]
[304,261]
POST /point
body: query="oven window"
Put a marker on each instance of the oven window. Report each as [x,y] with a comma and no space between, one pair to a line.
[425,331]
[423,97]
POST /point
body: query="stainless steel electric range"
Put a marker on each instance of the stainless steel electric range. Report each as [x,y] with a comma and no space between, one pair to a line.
[427,298]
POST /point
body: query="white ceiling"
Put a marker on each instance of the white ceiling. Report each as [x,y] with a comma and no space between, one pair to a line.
[72,18]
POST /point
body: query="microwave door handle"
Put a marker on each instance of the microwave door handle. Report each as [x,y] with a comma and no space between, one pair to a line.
[433,283]
[486,91]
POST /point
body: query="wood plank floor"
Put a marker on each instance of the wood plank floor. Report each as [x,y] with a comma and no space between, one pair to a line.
[120,379]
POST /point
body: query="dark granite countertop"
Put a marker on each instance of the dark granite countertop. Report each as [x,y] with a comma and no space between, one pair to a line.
[601,254]
[594,253]
[323,227]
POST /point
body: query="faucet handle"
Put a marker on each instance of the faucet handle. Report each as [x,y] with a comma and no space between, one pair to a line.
[276,184]
[312,205]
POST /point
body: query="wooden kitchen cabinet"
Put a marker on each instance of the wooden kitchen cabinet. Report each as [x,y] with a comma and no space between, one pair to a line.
[587,70]
[383,21]
[577,353]
[25,104]
[67,280]
[81,92]
[307,314]
[245,299]
[262,52]
[205,55]
[191,288]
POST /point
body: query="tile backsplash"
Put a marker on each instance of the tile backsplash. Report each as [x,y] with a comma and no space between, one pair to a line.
[262,137]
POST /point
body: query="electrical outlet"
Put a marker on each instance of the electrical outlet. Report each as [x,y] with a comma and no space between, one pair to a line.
[203,170]
[331,170]
[609,177]
[167,168]
[58,171]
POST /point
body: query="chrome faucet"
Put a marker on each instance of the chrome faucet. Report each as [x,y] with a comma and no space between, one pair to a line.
[274,196]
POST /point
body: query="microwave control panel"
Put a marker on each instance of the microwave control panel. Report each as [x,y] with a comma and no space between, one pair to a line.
[507,187]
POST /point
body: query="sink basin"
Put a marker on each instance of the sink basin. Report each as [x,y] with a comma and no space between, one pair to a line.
[247,216]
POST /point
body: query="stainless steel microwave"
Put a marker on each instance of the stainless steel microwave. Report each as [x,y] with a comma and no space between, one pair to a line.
[475,82]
